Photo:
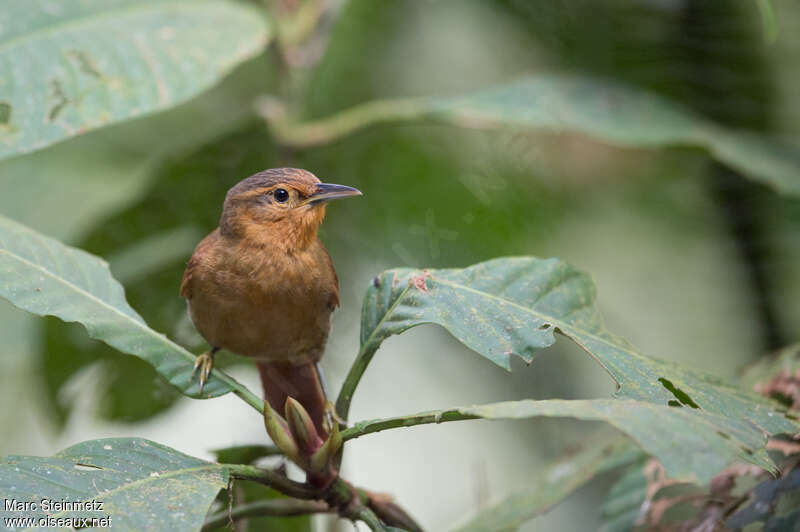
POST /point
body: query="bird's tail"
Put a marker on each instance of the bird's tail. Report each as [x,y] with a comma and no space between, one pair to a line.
[299,381]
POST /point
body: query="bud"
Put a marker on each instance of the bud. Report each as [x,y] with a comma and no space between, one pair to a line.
[279,431]
[321,459]
[302,428]
[390,513]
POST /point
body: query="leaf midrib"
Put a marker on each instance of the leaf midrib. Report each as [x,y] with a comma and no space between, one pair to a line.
[93,17]
[129,319]
[544,317]
[574,332]
[381,322]
[148,478]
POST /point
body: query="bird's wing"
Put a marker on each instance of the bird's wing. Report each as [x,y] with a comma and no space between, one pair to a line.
[329,264]
[200,254]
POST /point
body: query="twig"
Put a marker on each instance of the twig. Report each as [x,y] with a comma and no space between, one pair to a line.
[376,425]
[369,518]
[274,480]
[270,507]
[340,497]
[343,123]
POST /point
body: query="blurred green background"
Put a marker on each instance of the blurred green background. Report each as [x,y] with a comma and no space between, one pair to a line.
[692,262]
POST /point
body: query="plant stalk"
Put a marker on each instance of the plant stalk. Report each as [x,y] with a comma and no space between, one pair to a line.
[270,507]
[377,425]
[326,130]
[274,480]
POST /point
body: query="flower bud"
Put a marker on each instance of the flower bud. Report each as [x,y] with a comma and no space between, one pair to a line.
[302,428]
[323,458]
[279,431]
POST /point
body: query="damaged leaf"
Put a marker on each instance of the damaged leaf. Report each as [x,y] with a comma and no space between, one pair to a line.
[82,65]
[514,306]
[141,485]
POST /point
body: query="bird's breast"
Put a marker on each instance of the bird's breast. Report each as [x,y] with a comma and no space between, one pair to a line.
[270,306]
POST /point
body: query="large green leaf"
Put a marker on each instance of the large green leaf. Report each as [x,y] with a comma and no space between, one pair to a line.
[551,486]
[77,66]
[624,116]
[142,485]
[600,108]
[623,504]
[45,277]
[513,307]
[691,445]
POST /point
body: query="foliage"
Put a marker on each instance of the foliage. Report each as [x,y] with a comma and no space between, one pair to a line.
[102,62]
[691,448]
[126,475]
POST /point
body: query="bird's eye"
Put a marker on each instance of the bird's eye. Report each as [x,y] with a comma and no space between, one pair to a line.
[281,195]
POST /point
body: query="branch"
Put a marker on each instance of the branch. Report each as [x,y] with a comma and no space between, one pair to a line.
[369,518]
[350,383]
[270,507]
[242,392]
[339,125]
[377,425]
[340,497]
[274,480]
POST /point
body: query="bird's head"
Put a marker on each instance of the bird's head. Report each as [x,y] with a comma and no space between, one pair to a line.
[280,206]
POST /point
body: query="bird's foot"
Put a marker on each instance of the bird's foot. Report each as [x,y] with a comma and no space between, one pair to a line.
[204,363]
[331,416]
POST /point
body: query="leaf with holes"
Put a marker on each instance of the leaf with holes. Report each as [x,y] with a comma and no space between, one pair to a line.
[76,66]
[139,484]
[692,445]
[514,306]
[45,277]
[624,503]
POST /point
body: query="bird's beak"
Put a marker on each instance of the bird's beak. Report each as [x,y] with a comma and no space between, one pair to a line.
[328,191]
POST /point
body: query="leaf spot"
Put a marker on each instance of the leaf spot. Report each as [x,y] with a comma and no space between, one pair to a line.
[85,63]
[87,467]
[60,100]
[5,113]
[419,281]
[679,394]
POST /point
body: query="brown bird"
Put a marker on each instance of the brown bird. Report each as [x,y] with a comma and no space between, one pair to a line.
[262,285]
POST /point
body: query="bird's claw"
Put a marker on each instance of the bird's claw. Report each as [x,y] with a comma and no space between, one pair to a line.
[331,416]
[204,363]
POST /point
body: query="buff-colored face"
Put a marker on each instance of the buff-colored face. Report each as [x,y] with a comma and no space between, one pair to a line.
[293,198]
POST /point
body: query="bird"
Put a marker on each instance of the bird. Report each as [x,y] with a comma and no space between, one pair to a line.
[262,285]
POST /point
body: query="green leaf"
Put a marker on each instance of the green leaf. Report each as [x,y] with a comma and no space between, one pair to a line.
[600,108]
[776,376]
[763,505]
[623,505]
[248,494]
[45,277]
[513,307]
[550,487]
[78,66]
[691,445]
[142,485]
[245,454]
